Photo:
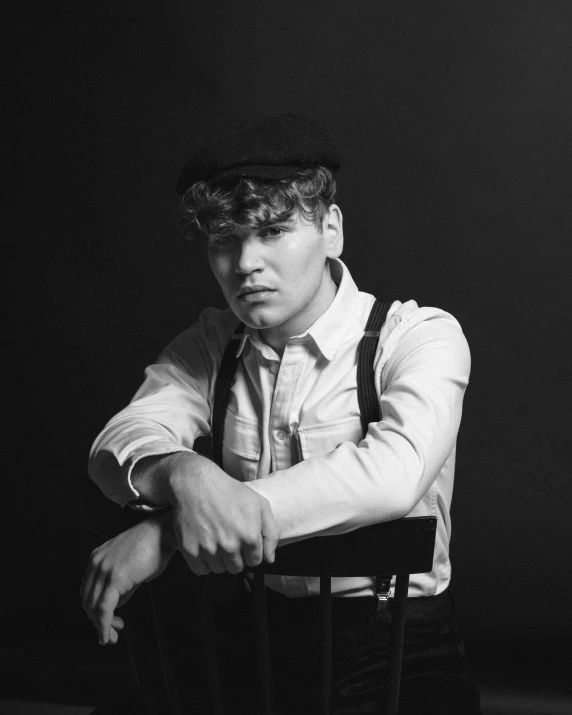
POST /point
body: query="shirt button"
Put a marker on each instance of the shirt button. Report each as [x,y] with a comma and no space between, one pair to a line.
[280,435]
[274,368]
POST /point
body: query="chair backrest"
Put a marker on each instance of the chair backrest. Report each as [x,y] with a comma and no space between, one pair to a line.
[399,548]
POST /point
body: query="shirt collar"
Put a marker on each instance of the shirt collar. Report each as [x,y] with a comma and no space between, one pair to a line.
[331,327]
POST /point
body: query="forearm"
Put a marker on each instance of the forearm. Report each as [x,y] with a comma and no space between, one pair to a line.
[157,477]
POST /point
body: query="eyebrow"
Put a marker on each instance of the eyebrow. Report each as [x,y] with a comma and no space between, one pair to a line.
[274,221]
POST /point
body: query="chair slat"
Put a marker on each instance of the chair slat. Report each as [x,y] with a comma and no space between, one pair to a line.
[209,633]
[263,645]
[326,646]
[396,638]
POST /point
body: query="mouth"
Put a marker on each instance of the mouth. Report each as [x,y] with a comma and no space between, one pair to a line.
[254,293]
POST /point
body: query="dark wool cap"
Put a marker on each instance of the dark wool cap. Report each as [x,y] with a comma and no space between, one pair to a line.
[275,148]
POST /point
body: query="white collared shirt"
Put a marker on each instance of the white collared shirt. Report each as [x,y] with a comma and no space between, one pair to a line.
[293,431]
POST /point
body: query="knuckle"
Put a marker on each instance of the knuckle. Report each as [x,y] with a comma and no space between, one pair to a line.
[116,574]
[95,556]
[229,546]
[209,549]
[251,538]
[254,560]
[191,550]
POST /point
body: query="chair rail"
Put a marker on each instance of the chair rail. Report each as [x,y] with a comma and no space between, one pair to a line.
[392,547]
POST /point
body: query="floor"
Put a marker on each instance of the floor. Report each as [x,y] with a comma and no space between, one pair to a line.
[507,702]
[14,707]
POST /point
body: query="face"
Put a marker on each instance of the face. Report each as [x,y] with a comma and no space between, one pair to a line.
[277,279]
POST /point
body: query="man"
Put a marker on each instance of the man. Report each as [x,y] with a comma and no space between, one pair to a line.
[295,460]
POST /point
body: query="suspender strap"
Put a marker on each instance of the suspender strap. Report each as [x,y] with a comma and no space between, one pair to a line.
[367,395]
[223,384]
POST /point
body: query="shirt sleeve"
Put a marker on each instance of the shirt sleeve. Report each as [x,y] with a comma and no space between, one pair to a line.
[168,412]
[425,373]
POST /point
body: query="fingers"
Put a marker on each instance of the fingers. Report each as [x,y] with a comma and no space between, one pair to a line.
[270,533]
[113,636]
[233,562]
[253,552]
[220,562]
[103,614]
[197,565]
[214,562]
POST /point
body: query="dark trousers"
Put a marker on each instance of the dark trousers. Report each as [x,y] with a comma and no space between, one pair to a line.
[435,680]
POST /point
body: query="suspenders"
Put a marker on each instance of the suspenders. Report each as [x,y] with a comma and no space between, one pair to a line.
[367,396]
[224,380]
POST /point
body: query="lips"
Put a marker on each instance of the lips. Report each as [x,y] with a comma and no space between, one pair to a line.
[255,294]
[249,290]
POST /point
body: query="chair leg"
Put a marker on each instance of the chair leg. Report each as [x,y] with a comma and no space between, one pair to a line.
[396,638]
[326,656]
[209,634]
[263,644]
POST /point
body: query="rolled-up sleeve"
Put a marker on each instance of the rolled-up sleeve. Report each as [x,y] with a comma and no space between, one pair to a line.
[168,412]
[423,371]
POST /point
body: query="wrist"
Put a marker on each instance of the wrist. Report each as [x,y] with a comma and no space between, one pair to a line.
[183,468]
[151,477]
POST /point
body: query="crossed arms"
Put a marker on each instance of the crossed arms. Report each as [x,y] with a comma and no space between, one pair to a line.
[221,524]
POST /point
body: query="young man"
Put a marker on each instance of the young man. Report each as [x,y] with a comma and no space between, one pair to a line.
[296,462]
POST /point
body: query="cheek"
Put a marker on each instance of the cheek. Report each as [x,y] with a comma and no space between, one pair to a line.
[219,267]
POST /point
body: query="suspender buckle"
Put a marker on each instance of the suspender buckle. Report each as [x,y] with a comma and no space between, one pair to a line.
[382,589]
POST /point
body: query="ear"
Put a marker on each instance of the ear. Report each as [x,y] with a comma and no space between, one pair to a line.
[333,230]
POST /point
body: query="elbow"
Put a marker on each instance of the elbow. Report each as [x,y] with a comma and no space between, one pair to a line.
[388,506]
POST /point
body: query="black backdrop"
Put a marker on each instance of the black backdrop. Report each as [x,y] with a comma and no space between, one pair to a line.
[454,124]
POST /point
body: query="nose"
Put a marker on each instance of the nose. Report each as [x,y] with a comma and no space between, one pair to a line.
[249,256]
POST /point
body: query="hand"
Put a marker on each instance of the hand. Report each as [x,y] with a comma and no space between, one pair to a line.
[119,566]
[220,524]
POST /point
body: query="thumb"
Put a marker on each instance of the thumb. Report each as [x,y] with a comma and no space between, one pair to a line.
[270,532]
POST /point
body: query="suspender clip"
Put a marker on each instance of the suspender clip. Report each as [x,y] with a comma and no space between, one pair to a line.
[382,589]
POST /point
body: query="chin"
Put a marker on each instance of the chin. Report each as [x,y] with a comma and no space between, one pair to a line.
[258,320]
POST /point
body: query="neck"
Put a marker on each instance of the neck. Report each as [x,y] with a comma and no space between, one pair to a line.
[278,336]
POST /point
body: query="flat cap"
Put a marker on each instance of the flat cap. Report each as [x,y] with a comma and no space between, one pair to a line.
[275,148]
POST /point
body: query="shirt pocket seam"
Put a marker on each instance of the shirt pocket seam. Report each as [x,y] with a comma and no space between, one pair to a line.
[307,434]
[329,425]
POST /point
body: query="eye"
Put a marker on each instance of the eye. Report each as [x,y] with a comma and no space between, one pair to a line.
[272,232]
[224,240]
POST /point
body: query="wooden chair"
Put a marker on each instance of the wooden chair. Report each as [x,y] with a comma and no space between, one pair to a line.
[399,548]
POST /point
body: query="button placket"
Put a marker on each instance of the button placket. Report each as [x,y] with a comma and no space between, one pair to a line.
[282,379]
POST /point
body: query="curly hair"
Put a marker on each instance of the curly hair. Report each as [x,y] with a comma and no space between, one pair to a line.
[217,208]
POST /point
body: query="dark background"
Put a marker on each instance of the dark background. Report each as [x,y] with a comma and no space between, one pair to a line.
[454,121]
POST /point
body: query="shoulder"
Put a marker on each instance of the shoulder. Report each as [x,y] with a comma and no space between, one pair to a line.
[410,329]
[403,317]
